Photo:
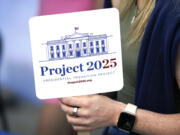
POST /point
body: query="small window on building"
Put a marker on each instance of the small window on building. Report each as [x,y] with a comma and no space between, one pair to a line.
[84,44]
[92,50]
[77,45]
[102,42]
[70,53]
[57,47]
[64,54]
[58,55]
[97,50]
[70,46]
[52,55]
[91,44]
[97,43]
[85,51]
[52,49]
[63,47]
[103,49]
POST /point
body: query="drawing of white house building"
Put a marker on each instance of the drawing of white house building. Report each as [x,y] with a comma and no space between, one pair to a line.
[77,45]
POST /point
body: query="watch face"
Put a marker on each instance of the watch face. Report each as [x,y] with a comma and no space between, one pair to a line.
[126,121]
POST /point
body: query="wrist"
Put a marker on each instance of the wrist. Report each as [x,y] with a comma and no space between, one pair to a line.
[119,107]
[127,118]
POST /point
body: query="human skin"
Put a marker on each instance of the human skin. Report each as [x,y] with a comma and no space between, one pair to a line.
[98,111]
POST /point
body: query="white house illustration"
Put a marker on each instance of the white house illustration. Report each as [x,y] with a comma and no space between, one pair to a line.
[77,45]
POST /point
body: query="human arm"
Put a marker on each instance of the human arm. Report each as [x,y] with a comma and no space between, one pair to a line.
[99,111]
[150,123]
[161,123]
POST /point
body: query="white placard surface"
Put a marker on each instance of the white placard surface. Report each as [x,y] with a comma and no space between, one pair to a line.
[76,53]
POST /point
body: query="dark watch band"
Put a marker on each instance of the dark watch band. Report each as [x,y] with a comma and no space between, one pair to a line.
[127,118]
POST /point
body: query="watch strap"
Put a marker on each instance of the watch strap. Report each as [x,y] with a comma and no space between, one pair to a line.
[130,108]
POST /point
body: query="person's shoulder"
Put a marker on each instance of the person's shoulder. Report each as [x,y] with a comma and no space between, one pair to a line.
[165,17]
[167,13]
[170,7]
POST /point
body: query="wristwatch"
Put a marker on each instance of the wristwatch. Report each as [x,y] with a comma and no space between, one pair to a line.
[127,118]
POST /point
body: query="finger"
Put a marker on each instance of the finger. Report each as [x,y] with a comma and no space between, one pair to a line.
[81,128]
[66,109]
[69,110]
[80,121]
[74,101]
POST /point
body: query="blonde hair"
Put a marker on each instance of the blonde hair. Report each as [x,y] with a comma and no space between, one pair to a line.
[141,19]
